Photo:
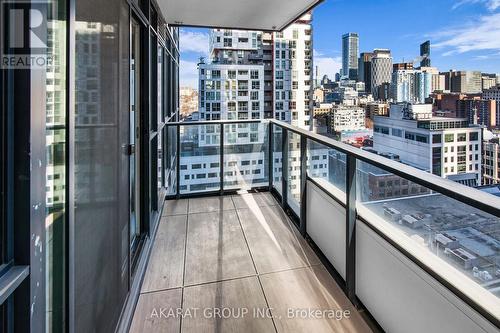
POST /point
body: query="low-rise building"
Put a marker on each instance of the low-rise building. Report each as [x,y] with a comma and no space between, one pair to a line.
[346,118]
[449,147]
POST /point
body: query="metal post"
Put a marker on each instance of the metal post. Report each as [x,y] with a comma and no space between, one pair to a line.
[303,184]
[271,157]
[178,163]
[351,229]
[284,167]
[221,161]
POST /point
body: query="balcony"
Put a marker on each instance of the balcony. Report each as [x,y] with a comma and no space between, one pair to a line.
[238,252]
[286,220]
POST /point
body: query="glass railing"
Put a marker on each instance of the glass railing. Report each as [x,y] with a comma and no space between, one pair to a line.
[450,230]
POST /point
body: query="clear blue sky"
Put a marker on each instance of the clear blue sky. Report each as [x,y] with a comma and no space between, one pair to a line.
[465,34]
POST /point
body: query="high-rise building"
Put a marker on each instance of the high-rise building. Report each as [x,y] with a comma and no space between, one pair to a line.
[253,75]
[423,86]
[350,51]
[365,70]
[252,81]
[425,54]
[469,82]
[447,147]
[381,72]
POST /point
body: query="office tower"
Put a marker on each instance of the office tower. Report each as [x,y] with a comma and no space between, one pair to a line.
[381,73]
[365,70]
[425,53]
[447,147]
[493,94]
[491,165]
[350,51]
[469,82]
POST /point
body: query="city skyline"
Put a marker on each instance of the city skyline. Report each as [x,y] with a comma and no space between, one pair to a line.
[456,43]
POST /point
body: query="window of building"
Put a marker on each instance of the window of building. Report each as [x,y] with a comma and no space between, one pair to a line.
[449,137]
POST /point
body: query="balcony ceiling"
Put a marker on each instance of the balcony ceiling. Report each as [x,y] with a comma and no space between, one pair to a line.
[272,15]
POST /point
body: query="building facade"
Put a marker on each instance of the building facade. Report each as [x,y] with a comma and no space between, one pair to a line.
[350,51]
[365,70]
[491,162]
[346,118]
[469,82]
[251,75]
[447,147]
[425,54]
[494,94]
[381,72]
[411,86]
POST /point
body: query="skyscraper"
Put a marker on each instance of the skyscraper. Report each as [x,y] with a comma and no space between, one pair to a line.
[252,75]
[425,54]
[365,70]
[381,73]
[350,50]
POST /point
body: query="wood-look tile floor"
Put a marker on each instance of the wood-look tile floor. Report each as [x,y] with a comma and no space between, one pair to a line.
[236,264]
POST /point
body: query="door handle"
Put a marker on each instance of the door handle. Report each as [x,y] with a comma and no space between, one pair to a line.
[128,149]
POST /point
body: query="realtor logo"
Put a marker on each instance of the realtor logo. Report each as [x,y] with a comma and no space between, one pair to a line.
[24,34]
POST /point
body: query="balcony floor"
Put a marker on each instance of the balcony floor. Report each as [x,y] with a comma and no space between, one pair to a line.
[237,253]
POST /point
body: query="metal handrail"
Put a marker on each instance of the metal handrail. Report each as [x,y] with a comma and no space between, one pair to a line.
[467,195]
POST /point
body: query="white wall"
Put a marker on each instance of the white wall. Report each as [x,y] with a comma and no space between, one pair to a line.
[400,295]
[404,298]
[326,226]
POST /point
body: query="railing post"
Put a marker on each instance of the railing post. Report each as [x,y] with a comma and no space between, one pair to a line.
[221,160]
[303,185]
[178,163]
[271,157]
[351,229]
[284,167]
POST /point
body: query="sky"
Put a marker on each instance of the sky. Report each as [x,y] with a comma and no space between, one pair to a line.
[464,34]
